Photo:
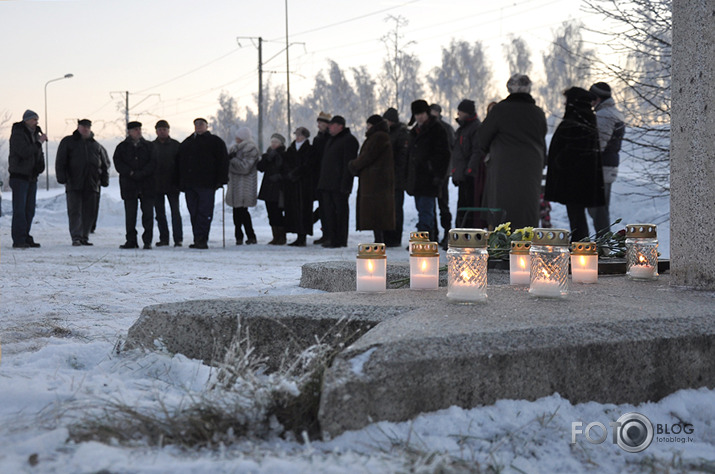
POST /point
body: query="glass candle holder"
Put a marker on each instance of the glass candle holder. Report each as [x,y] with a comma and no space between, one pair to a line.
[584,262]
[418,237]
[641,251]
[424,266]
[371,274]
[549,263]
[520,263]
[467,259]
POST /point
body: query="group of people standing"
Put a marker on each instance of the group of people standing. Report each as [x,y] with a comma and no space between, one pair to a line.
[496,164]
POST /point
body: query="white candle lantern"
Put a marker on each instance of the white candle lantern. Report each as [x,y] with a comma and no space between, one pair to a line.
[549,263]
[424,266]
[418,237]
[371,275]
[584,262]
[641,251]
[467,259]
[520,263]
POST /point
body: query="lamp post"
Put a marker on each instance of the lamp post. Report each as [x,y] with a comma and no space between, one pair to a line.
[47,143]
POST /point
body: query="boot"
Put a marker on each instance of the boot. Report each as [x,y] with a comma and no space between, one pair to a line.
[275,236]
[280,236]
[299,242]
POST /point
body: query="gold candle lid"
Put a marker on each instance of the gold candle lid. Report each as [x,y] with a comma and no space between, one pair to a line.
[371,251]
[419,236]
[468,238]
[551,237]
[641,231]
[425,249]
[520,247]
[584,248]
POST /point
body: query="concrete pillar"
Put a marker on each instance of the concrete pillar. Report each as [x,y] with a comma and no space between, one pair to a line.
[692,149]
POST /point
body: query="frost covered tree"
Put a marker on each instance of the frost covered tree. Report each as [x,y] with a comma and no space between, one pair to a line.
[365,91]
[567,63]
[226,120]
[518,55]
[641,35]
[464,73]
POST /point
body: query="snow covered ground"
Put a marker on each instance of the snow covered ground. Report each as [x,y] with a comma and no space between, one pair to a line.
[64,309]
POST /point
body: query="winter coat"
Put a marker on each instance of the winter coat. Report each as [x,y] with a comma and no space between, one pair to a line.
[376,181]
[167,166]
[319,141]
[514,136]
[400,139]
[136,166]
[467,155]
[428,159]
[26,159]
[271,165]
[334,173]
[575,175]
[299,171]
[81,164]
[203,162]
[611,128]
[242,175]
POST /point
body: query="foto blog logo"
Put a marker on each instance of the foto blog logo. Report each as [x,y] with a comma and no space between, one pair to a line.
[632,432]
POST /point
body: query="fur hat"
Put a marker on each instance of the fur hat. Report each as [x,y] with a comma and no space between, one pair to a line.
[339,119]
[324,117]
[201,119]
[519,83]
[303,131]
[601,90]
[84,122]
[436,108]
[279,137]
[577,95]
[418,107]
[29,114]
[467,106]
[374,119]
[134,124]
[244,134]
[162,124]
[392,115]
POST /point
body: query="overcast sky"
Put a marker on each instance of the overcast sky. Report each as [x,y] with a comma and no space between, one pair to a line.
[175,56]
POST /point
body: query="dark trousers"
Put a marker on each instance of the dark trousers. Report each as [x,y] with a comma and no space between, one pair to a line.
[335,213]
[445,216]
[426,221]
[577,221]
[24,196]
[176,225]
[130,213]
[275,214]
[81,212]
[600,215]
[393,238]
[242,218]
[96,212]
[466,199]
[200,202]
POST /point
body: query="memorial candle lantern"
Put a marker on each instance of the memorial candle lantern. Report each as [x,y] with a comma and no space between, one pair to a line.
[641,251]
[418,237]
[424,266]
[467,259]
[520,263]
[371,272]
[584,262]
[549,263]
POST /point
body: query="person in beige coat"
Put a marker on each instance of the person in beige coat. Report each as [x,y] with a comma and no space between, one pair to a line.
[243,183]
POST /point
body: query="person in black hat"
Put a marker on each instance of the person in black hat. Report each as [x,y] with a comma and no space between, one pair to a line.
[203,168]
[399,139]
[319,141]
[136,164]
[82,165]
[427,166]
[26,163]
[336,182]
[166,151]
[445,216]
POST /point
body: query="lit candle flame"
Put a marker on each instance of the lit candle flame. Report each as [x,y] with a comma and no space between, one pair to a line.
[370,266]
[424,265]
[642,259]
[547,275]
[465,275]
[522,263]
[582,260]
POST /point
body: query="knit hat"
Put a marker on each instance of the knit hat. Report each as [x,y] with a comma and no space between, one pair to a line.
[84,122]
[279,137]
[162,124]
[134,124]
[418,107]
[339,119]
[519,83]
[374,119]
[576,95]
[244,133]
[324,117]
[29,114]
[601,90]
[391,115]
[467,106]
[303,131]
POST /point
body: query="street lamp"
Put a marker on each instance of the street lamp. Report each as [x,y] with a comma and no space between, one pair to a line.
[47,143]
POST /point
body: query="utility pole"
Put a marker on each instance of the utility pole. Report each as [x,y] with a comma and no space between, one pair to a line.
[260,85]
[287,74]
[126,110]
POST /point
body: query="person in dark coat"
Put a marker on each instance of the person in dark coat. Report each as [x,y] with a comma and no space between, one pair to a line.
[166,151]
[321,138]
[445,216]
[468,168]
[203,168]
[375,170]
[427,165]
[82,166]
[336,182]
[26,163]
[136,166]
[271,165]
[107,162]
[299,170]
[575,173]
[399,139]
[513,134]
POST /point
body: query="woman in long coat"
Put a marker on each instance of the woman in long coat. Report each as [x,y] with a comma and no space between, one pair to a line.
[243,183]
[575,174]
[299,170]
[271,164]
[376,173]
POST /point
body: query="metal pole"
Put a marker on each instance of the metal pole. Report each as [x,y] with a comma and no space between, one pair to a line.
[47,143]
[287,72]
[126,111]
[223,215]
[260,94]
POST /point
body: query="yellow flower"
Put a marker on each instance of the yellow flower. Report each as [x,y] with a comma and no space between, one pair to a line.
[527,233]
[505,227]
